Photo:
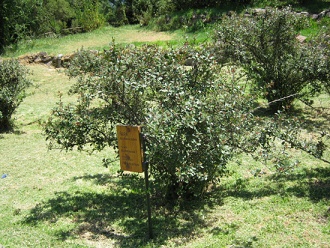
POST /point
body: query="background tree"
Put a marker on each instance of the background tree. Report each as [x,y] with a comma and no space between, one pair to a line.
[11,22]
[33,18]
[13,83]
[267,48]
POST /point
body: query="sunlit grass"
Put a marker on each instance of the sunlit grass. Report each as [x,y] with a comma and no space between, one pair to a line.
[68,199]
[53,198]
[97,39]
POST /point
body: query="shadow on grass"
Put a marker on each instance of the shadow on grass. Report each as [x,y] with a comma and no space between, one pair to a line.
[119,215]
[310,120]
[311,183]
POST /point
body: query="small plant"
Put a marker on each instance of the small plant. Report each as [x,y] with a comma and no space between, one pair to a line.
[13,83]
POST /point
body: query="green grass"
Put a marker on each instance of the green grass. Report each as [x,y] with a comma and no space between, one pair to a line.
[101,39]
[98,39]
[315,27]
[68,199]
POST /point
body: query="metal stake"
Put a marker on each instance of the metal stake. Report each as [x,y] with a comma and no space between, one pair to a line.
[146,177]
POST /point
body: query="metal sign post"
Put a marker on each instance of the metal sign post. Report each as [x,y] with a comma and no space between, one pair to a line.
[131,145]
[146,177]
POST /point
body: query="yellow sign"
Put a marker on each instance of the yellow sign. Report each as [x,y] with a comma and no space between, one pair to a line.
[129,144]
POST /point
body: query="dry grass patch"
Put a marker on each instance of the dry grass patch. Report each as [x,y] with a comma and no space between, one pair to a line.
[96,40]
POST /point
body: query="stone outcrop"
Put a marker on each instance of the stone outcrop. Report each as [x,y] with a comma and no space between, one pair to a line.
[301,38]
[57,61]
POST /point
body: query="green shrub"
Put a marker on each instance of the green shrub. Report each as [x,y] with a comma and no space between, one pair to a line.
[143,10]
[13,83]
[52,16]
[194,119]
[28,19]
[89,16]
[267,48]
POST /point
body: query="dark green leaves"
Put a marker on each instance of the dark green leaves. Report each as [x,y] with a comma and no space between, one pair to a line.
[267,48]
[13,83]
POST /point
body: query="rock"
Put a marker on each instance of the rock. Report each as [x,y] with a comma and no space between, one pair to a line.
[189,62]
[304,13]
[37,59]
[322,14]
[231,13]
[314,16]
[95,52]
[65,60]
[57,61]
[42,54]
[44,57]
[259,11]
[301,38]
[50,63]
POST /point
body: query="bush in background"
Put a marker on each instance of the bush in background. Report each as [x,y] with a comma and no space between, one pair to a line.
[28,19]
[277,63]
[13,83]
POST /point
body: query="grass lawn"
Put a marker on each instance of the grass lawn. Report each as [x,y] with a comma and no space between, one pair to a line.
[68,199]
[101,38]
